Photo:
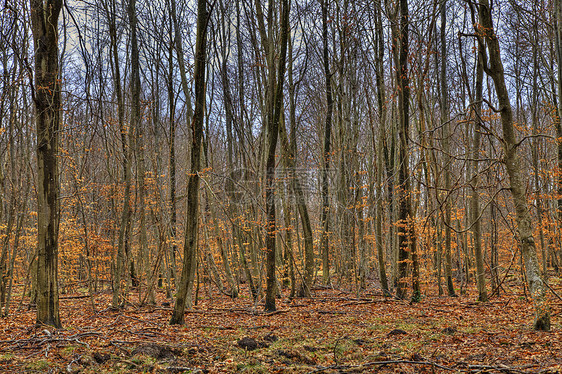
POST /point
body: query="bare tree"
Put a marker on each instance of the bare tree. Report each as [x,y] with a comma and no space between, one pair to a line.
[487,35]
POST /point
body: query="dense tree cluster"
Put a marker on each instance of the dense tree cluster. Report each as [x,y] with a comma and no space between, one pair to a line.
[409,145]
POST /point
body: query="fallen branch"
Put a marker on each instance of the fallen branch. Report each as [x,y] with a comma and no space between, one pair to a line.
[381,363]
[38,341]
[74,297]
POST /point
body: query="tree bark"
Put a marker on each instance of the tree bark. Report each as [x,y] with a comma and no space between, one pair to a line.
[47,97]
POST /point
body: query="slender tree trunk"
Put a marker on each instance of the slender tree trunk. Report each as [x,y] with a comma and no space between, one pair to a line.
[446,151]
[136,125]
[172,172]
[325,215]
[274,115]
[475,201]
[229,118]
[406,241]
[192,224]
[122,244]
[381,102]
[535,143]
[297,188]
[558,122]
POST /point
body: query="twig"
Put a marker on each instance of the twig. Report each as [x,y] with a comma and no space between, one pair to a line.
[550,288]
[69,366]
[502,368]
[178,369]
[361,302]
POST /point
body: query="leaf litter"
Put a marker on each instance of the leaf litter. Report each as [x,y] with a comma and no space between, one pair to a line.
[333,332]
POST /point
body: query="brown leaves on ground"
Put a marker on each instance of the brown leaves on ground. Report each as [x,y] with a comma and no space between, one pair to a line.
[334,332]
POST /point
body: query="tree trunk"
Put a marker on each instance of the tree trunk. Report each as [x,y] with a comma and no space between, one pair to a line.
[381,102]
[172,173]
[514,170]
[297,188]
[558,122]
[119,266]
[274,104]
[406,242]
[136,125]
[475,202]
[446,150]
[325,215]
[47,97]
[192,214]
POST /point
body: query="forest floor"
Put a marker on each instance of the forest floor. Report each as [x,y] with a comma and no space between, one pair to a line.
[333,332]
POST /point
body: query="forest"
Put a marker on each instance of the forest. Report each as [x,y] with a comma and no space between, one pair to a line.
[255,186]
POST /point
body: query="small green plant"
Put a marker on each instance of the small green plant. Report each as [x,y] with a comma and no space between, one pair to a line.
[6,356]
[39,365]
[68,350]
[143,360]
[252,366]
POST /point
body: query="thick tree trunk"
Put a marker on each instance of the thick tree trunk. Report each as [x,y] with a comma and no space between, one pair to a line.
[514,170]
[47,96]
